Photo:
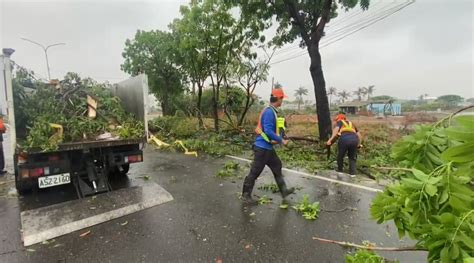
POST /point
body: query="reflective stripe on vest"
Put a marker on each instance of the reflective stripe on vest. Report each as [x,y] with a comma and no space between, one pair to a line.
[280,125]
[346,127]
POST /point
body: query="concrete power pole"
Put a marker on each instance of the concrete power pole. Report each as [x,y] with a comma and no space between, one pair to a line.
[6,87]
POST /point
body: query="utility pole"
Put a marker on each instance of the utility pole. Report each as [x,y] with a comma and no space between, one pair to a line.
[45,49]
[6,85]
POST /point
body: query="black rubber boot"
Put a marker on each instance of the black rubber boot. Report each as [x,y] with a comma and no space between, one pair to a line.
[247,195]
[247,199]
[287,191]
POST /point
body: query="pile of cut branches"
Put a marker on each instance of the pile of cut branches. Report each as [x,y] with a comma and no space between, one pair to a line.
[65,104]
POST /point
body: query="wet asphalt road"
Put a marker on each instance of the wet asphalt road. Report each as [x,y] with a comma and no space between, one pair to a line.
[206,221]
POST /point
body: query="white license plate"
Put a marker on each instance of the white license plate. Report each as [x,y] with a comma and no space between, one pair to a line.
[53,180]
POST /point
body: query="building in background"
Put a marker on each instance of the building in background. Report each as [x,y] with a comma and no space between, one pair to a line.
[354,107]
[370,108]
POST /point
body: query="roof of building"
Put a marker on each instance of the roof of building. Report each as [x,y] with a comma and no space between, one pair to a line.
[354,104]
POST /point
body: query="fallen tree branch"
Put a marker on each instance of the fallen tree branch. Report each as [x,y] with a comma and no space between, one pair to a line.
[347,244]
[392,168]
[296,138]
[339,210]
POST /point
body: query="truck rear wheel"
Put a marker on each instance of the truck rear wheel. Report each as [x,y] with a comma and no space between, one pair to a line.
[120,171]
[123,170]
[23,186]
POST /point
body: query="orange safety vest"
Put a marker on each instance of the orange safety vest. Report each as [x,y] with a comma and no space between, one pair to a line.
[2,126]
[347,126]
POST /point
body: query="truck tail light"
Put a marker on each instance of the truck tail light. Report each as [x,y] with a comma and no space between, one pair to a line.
[36,172]
[22,158]
[53,158]
[24,173]
[133,159]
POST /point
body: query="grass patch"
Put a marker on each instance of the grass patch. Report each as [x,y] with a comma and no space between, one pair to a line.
[230,169]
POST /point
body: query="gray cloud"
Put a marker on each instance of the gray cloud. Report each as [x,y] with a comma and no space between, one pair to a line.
[426,48]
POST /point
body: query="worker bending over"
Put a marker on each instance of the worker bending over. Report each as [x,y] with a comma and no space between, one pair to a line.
[349,141]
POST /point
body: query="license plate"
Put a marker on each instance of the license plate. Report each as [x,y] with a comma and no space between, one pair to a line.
[53,180]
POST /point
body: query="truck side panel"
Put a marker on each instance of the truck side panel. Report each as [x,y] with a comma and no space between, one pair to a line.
[133,94]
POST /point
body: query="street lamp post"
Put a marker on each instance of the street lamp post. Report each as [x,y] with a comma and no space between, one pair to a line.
[45,49]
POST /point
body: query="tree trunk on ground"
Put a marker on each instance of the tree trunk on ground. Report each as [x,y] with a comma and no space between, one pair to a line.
[322,107]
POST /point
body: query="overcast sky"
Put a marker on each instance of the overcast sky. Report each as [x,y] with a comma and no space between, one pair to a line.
[425,48]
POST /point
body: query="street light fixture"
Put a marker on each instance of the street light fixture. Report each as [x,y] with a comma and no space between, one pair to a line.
[45,49]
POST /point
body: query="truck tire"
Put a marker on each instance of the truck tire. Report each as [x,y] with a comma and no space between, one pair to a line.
[124,170]
[120,173]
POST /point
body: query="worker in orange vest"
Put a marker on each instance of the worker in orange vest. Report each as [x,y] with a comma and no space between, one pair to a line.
[269,131]
[349,141]
[3,129]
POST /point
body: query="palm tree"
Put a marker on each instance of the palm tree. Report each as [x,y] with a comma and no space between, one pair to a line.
[332,91]
[299,93]
[422,97]
[277,85]
[344,95]
[369,91]
[360,92]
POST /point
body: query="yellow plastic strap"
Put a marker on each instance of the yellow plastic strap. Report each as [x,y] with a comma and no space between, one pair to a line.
[162,144]
[180,143]
[158,142]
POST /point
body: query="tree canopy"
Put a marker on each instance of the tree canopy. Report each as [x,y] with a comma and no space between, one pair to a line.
[154,53]
[303,20]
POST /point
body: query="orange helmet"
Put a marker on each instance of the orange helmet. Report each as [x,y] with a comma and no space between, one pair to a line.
[278,93]
[340,116]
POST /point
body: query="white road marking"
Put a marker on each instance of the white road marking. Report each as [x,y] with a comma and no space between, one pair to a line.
[317,176]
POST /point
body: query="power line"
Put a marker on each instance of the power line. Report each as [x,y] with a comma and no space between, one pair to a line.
[363,20]
[344,27]
[371,23]
[349,17]
[347,33]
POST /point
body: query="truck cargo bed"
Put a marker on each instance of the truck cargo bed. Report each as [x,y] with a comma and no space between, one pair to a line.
[91,144]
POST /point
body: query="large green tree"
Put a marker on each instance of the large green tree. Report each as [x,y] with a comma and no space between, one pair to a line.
[154,53]
[450,100]
[215,45]
[190,32]
[304,20]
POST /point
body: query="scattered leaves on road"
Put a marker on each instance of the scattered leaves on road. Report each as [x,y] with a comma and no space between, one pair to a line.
[124,223]
[264,200]
[31,250]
